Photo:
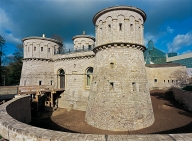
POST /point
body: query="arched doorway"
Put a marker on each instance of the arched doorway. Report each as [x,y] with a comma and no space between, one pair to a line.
[62,78]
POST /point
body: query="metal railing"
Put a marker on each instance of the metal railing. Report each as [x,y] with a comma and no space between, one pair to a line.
[83,49]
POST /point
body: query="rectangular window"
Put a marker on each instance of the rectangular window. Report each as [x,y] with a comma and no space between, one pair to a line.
[120,26]
[34,48]
[134,86]
[39,82]
[155,80]
[109,27]
[89,47]
[48,49]
[51,82]
[111,85]
[164,81]
[131,27]
[41,49]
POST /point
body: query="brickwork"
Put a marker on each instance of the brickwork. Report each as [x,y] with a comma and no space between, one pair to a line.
[13,130]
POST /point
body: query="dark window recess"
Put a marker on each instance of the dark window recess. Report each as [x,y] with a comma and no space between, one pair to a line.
[168,81]
[111,84]
[34,48]
[51,82]
[40,82]
[89,47]
[120,26]
[164,81]
[112,64]
[131,27]
[109,27]
[48,49]
[41,48]
[134,86]
[155,80]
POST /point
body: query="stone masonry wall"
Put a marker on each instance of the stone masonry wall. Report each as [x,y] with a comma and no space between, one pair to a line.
[119,98]
[76,93]
[34,71]
[83,43]
[119,26]
[40,48]
[165,77]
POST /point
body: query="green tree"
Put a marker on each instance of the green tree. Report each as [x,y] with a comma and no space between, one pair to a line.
[2,44]
[13,69]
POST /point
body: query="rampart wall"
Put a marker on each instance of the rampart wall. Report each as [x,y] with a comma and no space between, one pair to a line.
[8,90]
[15,130]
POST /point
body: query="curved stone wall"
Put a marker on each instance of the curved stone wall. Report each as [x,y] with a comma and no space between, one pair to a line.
[40,47]
[119,92]
[119,24]
[14,130]
[83,42]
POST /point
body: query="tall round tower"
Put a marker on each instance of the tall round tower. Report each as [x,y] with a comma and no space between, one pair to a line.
[119,97]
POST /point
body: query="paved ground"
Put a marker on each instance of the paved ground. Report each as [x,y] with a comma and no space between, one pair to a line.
[169,118]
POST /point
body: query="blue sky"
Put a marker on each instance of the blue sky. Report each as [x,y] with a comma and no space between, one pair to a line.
[168,24]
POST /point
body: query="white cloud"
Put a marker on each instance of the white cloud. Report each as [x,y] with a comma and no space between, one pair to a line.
[6,28]
[149,37]
[180,41]
[169,29]
[4,20]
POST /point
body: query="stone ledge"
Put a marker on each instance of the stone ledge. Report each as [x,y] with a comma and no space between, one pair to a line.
[14,130]
[119,45]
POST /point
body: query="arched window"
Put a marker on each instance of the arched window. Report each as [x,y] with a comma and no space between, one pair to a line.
[61,78]
[89,73]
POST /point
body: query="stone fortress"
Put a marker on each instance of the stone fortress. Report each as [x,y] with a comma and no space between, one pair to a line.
[108,79]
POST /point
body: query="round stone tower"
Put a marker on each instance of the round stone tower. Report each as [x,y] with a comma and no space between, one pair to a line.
[83,42]
[119,97]
[38,66]
[40,47]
